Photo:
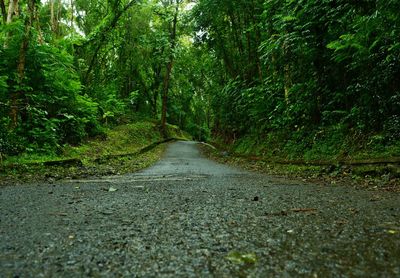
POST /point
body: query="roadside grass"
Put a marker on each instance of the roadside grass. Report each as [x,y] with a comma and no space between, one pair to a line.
[123,139]
[118,152]
[331,145]
[299,160]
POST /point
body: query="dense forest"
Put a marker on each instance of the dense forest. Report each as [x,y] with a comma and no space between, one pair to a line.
[300,78]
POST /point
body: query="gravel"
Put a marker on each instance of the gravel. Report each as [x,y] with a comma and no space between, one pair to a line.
[190,217]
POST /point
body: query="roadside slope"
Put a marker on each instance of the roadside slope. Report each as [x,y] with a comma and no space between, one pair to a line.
[375,174]
[123,149]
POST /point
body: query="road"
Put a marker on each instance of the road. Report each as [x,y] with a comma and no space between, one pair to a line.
[188,216]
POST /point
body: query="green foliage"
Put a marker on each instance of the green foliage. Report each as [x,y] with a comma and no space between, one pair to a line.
[199,133]
[303,76]
[3,85]
[10,142]
[50,106]
[323,69]
[122,139]
[112,154]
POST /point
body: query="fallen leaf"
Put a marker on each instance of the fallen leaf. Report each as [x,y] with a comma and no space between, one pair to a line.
[341,222]
[112,189]
[354,210]
[375,199]
[239,258]
[392,232]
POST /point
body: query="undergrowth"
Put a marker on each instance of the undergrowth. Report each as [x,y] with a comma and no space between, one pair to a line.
[334,143]
[122,140]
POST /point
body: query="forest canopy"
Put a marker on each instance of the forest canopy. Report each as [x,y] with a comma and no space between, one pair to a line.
[289,73]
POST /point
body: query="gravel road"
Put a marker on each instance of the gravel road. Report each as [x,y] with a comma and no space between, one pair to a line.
[190,217]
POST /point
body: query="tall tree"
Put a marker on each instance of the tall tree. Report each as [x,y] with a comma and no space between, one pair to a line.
[12,8]
[53,16]
[18,94]
[3,11]
[172,28]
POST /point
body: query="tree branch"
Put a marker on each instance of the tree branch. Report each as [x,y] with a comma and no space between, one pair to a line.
[103,36]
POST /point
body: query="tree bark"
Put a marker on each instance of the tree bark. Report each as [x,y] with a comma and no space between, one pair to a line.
[165,98]
[11,10]
[12,6]
[16,95]
[36,19]
[167,76]
[287,71]
[72,15]
[3,11]
[53,22]
[253,13]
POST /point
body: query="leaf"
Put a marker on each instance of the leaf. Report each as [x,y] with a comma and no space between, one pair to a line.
[392,232]
[239,258]
[112,189]
[289,18]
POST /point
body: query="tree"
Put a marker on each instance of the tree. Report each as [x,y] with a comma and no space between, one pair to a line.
[172,28]
[12,8]
[3,11]
[18,94]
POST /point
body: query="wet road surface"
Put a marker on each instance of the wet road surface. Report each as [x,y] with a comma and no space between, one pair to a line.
[190,217]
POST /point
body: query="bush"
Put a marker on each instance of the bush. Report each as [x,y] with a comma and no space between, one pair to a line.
[10,142]
[199,133]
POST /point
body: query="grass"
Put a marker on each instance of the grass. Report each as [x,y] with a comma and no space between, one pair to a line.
[332,144]
[385,178]
[276,153]
[122,140]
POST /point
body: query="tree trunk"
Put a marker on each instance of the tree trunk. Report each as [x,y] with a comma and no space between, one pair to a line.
[155,88]
[16,95]
[36,19]
[53,22]
[72,15]
[165,98]
[12,6]
[253,13]
[287,82]
[11,10]
[3,11]
[58,15]
[287,71]
[167,76]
